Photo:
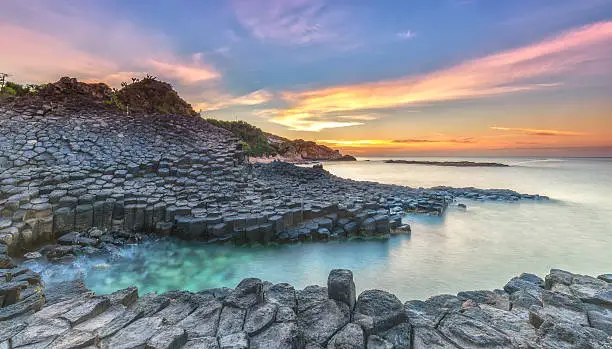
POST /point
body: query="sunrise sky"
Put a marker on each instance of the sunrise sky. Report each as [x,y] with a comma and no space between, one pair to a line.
[401,77]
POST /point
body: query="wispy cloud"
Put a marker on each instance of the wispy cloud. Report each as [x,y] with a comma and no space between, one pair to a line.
[224,101]
[537,132]
[527,68]
[287,21]
[406,35]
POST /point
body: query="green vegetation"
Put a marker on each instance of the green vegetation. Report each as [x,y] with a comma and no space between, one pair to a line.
[149,95]
[12,89]
[254,138]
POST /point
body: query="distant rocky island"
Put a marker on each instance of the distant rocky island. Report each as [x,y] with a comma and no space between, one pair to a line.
[447,163]
[87,170]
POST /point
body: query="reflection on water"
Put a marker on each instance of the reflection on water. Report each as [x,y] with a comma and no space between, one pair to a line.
[479,248]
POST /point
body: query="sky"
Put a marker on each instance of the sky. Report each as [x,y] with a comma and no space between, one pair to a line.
[368,77]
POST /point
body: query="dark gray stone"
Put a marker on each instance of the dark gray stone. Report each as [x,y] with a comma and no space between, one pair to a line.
[341,287]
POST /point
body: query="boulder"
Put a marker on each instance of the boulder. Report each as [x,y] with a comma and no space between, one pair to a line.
[375,342]
[471,333]
[341,287]
[380,309]
[202,343]
[310,296]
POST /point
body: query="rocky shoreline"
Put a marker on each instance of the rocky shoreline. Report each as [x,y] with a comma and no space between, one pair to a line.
[564,310]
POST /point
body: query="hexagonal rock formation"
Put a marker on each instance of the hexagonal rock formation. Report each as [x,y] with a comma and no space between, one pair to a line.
[66,168]
[565,311]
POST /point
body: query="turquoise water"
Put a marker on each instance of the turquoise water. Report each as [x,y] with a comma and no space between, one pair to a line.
[480,248]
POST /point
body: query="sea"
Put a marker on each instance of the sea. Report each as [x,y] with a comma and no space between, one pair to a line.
[477,248]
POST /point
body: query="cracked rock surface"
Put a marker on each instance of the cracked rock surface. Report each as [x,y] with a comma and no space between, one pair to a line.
[474,319]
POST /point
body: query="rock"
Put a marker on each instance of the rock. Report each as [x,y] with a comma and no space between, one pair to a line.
[277,336]
[102,320]
[10,291]
[430,338]
[281,294]
[231,321]
[383,308]
[341,287]
[203,322]
[135,335]
[557,276]
[76,239]
[126,296]
[238,340]
[375,342]
[6,262]
[260,317]
[310,296]
[168,338]
[285,314]
[150,303]
[469,333]
[74,339]
[605,277]
[40,332]
[118,323]
[319,322]
[177,310]
[400,336]
[32,255]
[566,335]
[248,293]
[87,310]
[601,320]
[349,337]
[202,343]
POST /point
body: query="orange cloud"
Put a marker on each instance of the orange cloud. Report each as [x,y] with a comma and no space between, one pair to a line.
[502,73]
[536,132]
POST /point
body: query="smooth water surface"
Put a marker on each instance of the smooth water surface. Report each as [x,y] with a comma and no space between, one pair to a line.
[480,248]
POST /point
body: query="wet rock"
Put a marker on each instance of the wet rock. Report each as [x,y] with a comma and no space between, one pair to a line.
[341,287]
